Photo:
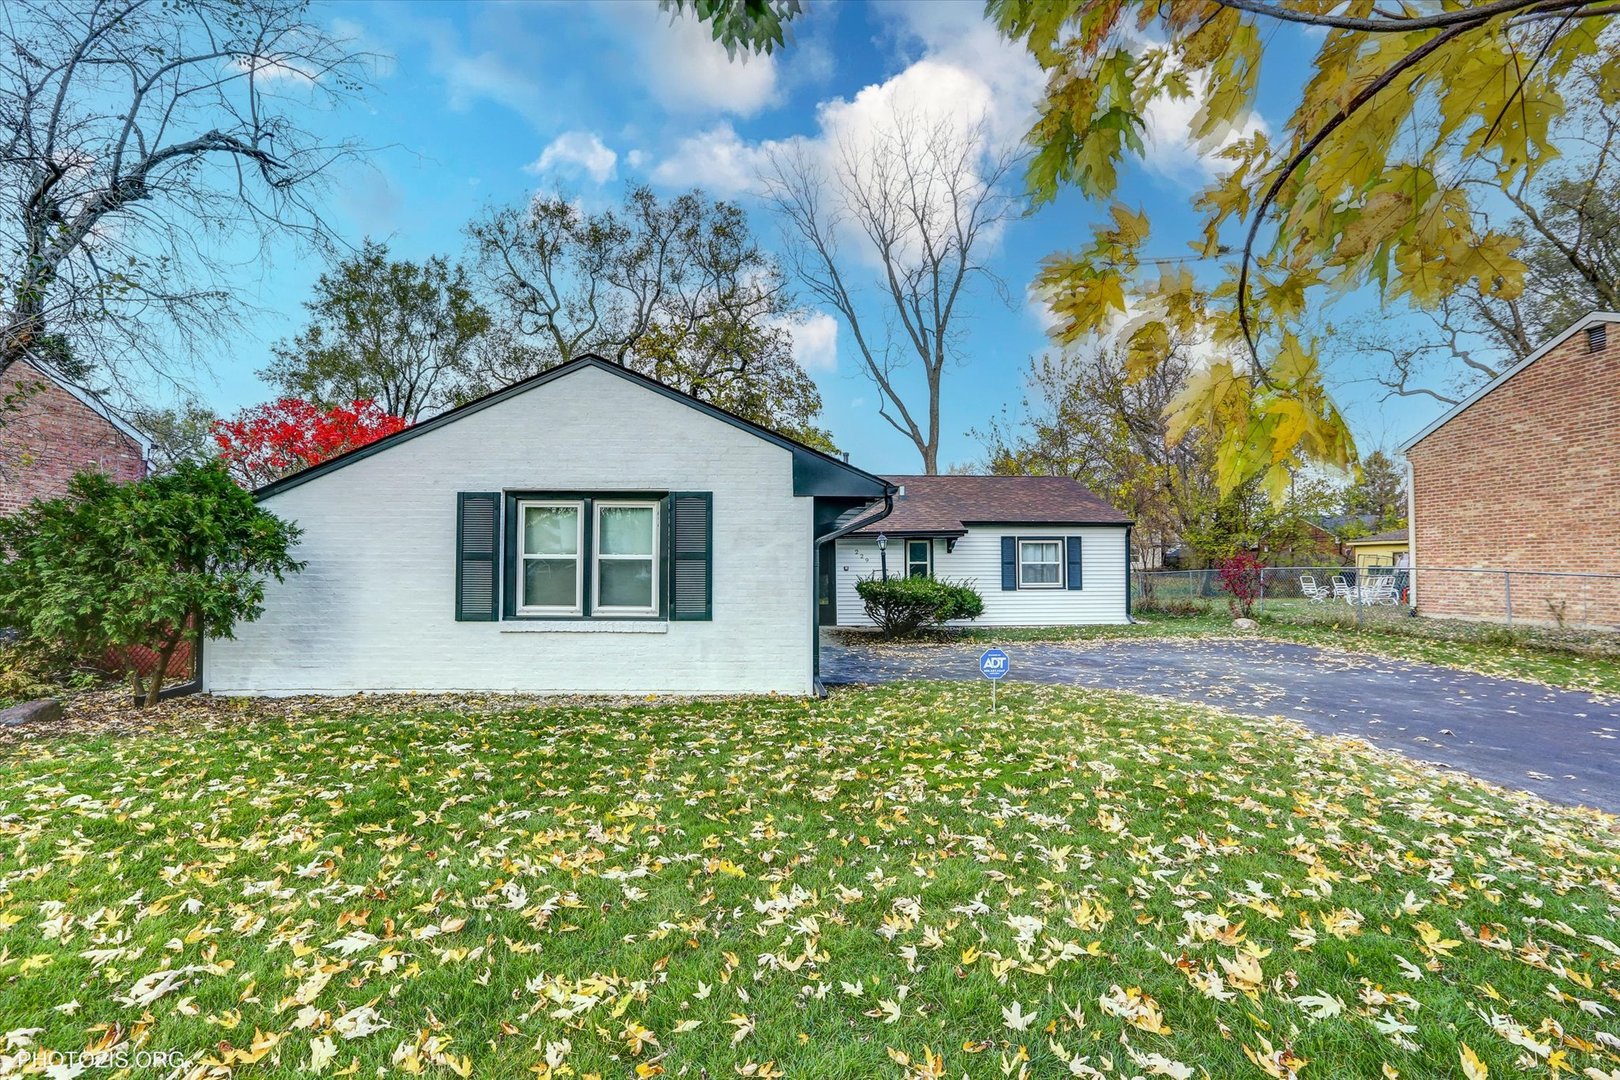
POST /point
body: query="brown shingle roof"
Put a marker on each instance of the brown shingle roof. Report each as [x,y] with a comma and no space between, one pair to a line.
[1393,536]
[946,505]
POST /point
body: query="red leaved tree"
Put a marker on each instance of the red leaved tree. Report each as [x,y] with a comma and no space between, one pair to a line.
[1241,578]
[270,441]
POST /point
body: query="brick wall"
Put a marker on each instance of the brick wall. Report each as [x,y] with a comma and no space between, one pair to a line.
[49,435]
[1526,479]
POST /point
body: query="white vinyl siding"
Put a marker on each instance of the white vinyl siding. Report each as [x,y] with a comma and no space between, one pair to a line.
[375,609]
[977,559]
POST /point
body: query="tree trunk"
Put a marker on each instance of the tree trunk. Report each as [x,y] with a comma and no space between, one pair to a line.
[164,656]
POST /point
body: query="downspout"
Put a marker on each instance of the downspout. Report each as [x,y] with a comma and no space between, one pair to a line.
[815,577]
[1411,538]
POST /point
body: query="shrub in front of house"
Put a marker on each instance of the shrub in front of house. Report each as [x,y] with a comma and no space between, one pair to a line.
[147,564]
[902,606]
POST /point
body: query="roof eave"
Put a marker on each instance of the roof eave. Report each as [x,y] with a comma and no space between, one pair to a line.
[814,472]
[1049,522]
[94,403]
[1456,410]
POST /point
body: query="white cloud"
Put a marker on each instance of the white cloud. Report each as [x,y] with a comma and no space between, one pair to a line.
[275,67]
[815,341]
[379,58]
[958,75]
[717,160]
[472,75]
[958,35]
[686,70]
[574,153]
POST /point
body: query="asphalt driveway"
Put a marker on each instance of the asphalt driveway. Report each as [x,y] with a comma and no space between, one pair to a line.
[1561,744]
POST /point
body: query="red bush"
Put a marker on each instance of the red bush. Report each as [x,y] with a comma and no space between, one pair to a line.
[1240,578]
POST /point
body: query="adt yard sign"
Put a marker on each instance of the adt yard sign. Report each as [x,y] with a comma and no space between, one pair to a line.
[993,665]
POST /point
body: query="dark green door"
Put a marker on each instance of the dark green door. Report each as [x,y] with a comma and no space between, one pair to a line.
[826,585]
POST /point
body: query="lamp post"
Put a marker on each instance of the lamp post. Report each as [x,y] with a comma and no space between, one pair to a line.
[883,554]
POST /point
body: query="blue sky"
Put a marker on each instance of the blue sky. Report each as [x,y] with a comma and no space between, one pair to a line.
[479,104]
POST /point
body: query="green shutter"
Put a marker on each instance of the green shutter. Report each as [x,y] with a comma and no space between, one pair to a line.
[478,515]
[691,556]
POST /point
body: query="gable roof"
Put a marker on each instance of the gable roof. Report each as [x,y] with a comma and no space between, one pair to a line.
[92,402]
[947,505]
[1591,319]
[1390,536]
[814,472]
[1335,524]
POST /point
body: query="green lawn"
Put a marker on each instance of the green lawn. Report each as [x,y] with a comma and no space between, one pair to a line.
[890,882]
[1586,662]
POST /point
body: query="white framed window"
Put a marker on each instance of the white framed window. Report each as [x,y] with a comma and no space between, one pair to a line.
[919,558]
[551,567]
[1040,564]
[626,557]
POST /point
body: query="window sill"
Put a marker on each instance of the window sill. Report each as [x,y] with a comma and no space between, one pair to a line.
[585,626]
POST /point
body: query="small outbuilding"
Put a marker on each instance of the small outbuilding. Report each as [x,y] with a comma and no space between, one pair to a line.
[1389,548]
[1041,550]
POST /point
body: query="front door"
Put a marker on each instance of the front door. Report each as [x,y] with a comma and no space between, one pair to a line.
[827,586]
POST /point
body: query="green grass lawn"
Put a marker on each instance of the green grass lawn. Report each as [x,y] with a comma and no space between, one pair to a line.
[890,882]
[1592,663]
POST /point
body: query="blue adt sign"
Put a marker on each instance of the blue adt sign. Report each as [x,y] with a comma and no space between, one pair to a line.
[993,664]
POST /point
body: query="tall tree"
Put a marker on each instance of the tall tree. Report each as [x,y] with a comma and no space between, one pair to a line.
[1084,418]
[179,433]
[676,288]
[1411,109]
[269,441]
[1379,489]
[920,199]
[136,137]
[403,334]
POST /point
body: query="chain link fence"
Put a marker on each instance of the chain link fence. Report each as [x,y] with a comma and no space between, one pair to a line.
[1369,594]
[184,674]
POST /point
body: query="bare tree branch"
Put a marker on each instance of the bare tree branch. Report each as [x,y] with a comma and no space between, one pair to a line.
[922,197]
[142,138]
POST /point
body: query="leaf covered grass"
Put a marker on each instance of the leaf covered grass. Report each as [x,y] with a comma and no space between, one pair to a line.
[890,882]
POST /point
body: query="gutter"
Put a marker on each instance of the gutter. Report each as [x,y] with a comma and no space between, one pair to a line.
[815,577]
[861,523]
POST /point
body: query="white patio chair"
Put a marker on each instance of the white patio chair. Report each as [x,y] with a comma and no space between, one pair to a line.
[1381,590]
[1342,589]
[1311,590]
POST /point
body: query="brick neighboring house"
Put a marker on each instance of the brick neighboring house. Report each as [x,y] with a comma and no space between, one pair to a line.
[1524,475]
[51,429]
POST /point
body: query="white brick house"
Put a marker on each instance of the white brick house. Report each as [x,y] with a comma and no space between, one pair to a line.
[586,530]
